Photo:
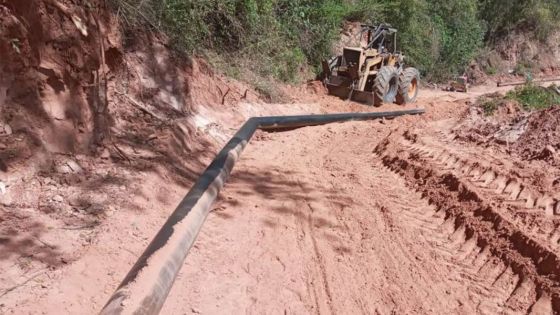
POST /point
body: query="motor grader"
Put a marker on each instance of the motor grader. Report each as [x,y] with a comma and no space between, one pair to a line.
[374,73]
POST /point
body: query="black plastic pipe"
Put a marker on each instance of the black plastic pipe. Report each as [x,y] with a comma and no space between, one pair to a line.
[147,284]
[544,80]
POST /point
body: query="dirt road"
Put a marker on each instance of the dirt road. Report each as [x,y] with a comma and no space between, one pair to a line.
[314,221]
[321,226]
[383,217]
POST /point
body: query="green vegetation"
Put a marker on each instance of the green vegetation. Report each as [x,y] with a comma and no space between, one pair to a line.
[440,37]
[533,97]
[504,16]
[285,40]
[523,68]
[490,106]
[529,97]
[491,70]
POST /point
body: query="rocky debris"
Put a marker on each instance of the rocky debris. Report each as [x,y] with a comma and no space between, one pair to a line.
[7,129]
[47,181]
[74,166]
[531,135]
[542,134]
[547,153]
[58,198]
[316,87]
[64,169]
[69,167]
[105,154]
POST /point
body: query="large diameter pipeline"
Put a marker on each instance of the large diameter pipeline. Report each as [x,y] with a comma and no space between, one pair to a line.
[283,122]
[147,284]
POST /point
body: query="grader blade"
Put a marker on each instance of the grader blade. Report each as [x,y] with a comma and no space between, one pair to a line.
[339,86]
[363,97]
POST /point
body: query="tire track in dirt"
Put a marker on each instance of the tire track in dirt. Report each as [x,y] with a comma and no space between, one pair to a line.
[488,291]
[401,209]
[473,216]
[319,267]
[318,257]
[520,190]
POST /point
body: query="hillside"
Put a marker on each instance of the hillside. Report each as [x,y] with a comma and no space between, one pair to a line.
[440,38]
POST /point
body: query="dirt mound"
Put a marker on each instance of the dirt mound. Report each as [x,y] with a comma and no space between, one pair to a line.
[492,120]
[69,77]
[467,189]
[541,139]
[495,121]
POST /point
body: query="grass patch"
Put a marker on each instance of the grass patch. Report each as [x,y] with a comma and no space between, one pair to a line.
[490,106]
[264,80]
[533,97]
[491,71]
[524,68]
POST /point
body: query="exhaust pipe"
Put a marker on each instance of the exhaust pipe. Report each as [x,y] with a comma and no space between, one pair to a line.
[147,284]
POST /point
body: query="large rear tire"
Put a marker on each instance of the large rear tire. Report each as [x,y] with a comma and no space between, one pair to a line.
[385,86]
[408,86]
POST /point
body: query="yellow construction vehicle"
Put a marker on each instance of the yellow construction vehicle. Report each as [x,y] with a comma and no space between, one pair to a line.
[373,74]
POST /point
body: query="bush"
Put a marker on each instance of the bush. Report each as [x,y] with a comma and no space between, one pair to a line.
[283,38]
[280,36]
[524,68]
[533,97]
[490,70]
[490,106]
[503,16]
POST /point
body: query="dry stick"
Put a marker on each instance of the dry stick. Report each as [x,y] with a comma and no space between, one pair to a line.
[121,153]
[95,96]
[80,25]
[244,95]
[81,227]
[224,96]
[136,11]
[40,272]
[45,243]
[102,87]
[140,106]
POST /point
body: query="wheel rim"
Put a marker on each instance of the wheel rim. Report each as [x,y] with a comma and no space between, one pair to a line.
[413,87]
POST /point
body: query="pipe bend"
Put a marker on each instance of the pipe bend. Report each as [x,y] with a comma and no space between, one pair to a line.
[147,284]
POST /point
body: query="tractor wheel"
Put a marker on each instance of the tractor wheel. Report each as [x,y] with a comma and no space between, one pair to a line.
[386,86]
[408,86]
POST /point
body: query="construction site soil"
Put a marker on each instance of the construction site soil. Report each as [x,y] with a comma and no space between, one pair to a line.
[389,216]
[451,212]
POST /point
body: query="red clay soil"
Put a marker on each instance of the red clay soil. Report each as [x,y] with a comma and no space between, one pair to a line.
[350,219]
[380,217]
[334,230]
[362,217]
[541,139]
